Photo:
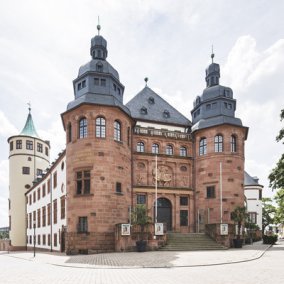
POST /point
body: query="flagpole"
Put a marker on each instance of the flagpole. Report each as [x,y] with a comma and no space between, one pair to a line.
[221,194]
[156,191]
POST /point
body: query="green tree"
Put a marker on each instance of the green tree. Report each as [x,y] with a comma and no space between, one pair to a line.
[276,177]
[239,215]
[279,199]
[268,212]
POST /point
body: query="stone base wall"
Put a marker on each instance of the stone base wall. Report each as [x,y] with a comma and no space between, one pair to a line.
[213,231]
[4,245]
[87,243]
[128,243]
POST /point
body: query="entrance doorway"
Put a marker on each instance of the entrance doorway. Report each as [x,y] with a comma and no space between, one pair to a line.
[164,212]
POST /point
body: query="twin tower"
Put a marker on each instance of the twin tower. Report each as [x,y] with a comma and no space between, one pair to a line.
[110,158]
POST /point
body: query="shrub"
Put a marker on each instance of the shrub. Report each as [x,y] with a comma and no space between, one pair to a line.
[270,240]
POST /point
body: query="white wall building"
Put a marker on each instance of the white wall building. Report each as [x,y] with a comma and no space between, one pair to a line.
[253,193]
[46,208]
[28,157]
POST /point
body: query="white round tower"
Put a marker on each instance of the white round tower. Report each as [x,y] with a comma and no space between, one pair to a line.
[28,158]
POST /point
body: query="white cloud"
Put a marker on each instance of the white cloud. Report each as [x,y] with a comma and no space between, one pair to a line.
[4,192]
[7,128]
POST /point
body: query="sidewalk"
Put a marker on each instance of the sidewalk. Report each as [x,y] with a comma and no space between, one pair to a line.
[153,259]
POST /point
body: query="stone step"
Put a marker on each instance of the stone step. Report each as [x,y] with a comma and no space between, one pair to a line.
[188,242]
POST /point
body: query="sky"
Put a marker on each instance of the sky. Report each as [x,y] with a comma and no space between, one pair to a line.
[43,44]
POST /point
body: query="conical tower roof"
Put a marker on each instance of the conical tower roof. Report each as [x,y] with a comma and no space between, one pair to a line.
[29,128]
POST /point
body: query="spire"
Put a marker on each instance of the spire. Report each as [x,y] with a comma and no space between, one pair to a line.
[98,26]
[98,45]
[212,54]
[212,72]
[146,81]
[29,128]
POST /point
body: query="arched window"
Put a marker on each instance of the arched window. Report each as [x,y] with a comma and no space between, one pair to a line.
[69,133]
[202,146]
[218,142]
[169,150]
[140,147]
[83,131]
[100,127]
[117,131]
[155,148]
[182,151]
[233,144]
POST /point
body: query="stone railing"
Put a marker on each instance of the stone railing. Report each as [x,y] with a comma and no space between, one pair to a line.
[161,132]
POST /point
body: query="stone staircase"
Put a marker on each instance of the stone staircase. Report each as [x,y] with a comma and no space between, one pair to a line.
[190,242]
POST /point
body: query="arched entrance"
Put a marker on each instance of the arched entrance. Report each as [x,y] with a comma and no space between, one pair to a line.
[164,212]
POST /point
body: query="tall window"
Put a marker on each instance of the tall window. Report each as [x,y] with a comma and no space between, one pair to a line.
[39,147]
[218,143]
[46,151]
[202,147]
[118,187]
[83,179]
[43,216]
[117,131]
[140,147]
[100,127]
[155,148]
[55,180]
[141,199]
[83,131]
[48,213]
[253,217]
[62,207]
[83,225]
[210,192]
[38,218]
[18,144]
[184,217]
[11,146]
[29,145]
[182,152]
[43,190]
[233,144]
[169,150]
[55,211]
[69,133]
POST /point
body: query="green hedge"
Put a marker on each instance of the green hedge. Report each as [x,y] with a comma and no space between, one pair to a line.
[270,240]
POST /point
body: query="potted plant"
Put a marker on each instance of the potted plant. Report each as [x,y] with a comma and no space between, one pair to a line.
[139,217]
[239,215]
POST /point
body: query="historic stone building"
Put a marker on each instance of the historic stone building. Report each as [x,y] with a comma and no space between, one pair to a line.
[112,147]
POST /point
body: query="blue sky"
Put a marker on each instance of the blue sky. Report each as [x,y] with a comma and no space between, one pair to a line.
[43,44]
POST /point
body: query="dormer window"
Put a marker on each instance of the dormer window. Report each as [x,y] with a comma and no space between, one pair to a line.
[81,85]
[151,100]
[143,110]
[99,67]
[198,100]
[166,114]
[118,90]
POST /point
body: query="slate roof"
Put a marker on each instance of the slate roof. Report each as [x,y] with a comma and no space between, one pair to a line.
[97,99]
[251,180]
[149,106]
[29,128]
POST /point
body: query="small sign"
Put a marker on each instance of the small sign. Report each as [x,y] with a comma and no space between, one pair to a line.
[224,229]
[159,229]
[125,229]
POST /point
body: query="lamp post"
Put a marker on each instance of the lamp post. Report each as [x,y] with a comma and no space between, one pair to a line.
[34,237]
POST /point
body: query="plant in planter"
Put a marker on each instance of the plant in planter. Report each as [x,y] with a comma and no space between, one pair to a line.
[239,216]
[139,217]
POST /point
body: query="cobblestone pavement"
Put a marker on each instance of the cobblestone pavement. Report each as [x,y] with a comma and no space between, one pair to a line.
[22,268]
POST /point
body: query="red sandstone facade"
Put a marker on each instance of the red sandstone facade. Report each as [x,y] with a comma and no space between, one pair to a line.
[111,151]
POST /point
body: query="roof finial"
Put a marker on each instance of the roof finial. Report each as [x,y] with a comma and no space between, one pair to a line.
[98,25]
[212,54]
[29,104]
[146,80]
